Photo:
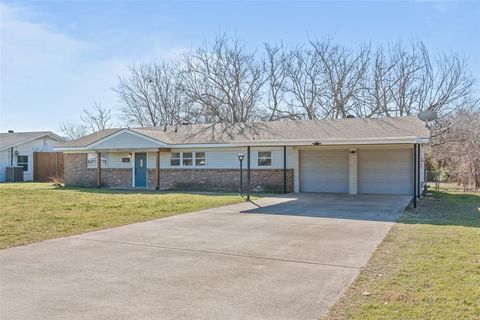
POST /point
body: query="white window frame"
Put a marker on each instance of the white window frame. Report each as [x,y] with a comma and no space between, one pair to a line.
[93,165]
[179,159]
[258,159]
[20,164]
[193,158]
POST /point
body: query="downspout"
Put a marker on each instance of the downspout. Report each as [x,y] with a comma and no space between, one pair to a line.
[11,157]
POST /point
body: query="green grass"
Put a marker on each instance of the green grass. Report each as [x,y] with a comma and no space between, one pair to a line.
[32,212]
[428,266]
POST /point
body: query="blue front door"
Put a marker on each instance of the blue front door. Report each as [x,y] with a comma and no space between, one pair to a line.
[140,169]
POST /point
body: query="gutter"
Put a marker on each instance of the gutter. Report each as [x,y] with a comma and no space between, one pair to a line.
[290,142]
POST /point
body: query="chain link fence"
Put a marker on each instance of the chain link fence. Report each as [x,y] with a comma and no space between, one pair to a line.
[458,179]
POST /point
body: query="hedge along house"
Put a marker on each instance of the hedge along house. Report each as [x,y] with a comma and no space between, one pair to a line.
[355,155]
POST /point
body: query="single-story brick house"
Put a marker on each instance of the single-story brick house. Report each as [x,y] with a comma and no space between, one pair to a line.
[353,155]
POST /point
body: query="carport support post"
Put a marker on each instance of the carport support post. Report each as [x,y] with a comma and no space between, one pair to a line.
[99,169]
[248,173]
[157,168]
[284,169]
[415,175]
[419,191]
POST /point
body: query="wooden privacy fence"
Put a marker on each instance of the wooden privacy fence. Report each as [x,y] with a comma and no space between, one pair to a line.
[47,165]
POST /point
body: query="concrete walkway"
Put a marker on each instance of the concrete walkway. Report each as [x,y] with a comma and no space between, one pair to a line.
[283,258]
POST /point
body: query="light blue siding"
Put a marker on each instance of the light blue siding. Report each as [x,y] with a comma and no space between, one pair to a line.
[126,140]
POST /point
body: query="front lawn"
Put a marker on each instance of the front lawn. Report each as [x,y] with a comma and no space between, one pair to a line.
[428,266]
[31,212]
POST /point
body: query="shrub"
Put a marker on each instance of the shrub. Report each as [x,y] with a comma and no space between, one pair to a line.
[57,181]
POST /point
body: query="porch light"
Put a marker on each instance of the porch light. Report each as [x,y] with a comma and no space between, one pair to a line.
[241,156]
[129,154]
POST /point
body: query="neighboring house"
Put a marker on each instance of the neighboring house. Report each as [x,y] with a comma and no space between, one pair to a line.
[17,148]
[373,156]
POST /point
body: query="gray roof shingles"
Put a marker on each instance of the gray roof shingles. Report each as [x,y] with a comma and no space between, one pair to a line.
[270,131]
[16,138]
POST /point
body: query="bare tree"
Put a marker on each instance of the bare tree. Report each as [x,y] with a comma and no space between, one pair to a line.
[224,79]
[275,68]
[405,81]
[343,75]
[455,144]
[445,83]
[99,118]
[152,96]
[72,131]
[304,85]
[375,97]
[224,82]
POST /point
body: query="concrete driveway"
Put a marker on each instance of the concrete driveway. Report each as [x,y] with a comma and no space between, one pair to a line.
[282,258]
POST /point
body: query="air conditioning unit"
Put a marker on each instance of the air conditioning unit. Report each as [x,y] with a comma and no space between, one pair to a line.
[14,174]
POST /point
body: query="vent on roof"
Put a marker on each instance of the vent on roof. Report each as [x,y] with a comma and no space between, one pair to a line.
[11,131]
[350,116]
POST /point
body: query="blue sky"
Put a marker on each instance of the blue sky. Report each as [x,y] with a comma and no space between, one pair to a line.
[59,57]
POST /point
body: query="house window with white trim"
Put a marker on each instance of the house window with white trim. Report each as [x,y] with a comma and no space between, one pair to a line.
[200,159]
[175,159]
[188,159]
[264,158]
[22,161]
[92,160]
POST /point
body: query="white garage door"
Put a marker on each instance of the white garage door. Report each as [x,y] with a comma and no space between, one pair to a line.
[388,171]
[324,171]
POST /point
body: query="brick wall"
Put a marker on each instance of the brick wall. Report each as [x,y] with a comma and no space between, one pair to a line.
[266,180]
[116,178]
[76,172]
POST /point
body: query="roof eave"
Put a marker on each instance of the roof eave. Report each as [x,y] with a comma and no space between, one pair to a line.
[335,141]
[48,134]
[290,142]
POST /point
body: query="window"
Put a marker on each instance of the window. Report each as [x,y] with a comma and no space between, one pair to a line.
[188,159]
[264,159]
[126,159]
[175,159]
[22,161]
[200,159]
[92,160]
